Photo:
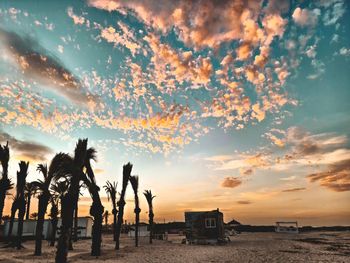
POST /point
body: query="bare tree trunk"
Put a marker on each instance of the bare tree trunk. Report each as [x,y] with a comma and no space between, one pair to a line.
[28,206]
[2,199]
[119,223]
[114,223]
[21,212]
[137,212]
[151,215]
[43,202]
[76,224]
[97,212]
[54,230]
[68,202]
[13,213]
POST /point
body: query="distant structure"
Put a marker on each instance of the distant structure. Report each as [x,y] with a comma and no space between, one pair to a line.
[29,226]
[205,227]
[287,227]
[143,230]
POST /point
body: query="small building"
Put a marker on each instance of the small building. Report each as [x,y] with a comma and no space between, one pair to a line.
[29,226]
[143,230]
[287,227]
[205,227]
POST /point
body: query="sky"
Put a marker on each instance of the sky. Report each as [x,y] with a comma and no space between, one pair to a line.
[237,105]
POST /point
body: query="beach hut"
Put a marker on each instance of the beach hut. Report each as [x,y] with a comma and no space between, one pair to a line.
[205,227]
[287,227]
[143,230]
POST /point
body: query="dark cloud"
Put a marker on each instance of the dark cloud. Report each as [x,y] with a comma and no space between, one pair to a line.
[41,66]
[26,149]
[336,178]
[231,182]
[244,202]
[294,190]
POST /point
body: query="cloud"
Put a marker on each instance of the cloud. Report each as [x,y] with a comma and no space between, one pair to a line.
[244,202]
[231,182]
[304,17]
[335,178]
[37,64]
[27,150]
[298,189]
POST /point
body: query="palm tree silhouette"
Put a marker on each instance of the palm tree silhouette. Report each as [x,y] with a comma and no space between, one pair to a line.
[111,190]
[29,192]
[96,209]
[72,168]
[121,203]
[43,187]
[105,216]
[58,190]
[134,180]
[19,203]
[5,182]
[149,198]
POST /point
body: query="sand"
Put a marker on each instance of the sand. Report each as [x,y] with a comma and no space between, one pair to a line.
[246,247]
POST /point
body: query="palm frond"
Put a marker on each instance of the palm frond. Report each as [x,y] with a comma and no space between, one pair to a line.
[80,152]
[61,166]
[111,190]
[126,174]
[149,196]
[134,180]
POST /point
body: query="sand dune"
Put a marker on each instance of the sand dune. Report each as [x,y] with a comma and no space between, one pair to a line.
[247,247]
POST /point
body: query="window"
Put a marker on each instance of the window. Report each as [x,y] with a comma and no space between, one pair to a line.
[210,223]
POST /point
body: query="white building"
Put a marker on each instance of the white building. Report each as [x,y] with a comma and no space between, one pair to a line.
[143,230]
[84,228]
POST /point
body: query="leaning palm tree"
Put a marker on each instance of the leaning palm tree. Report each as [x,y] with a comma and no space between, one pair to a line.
[96,209]
[5,182]
[29,192]
[134,180]
[72,169]
[149,198]
[43,187]
[121,203]
[58,190]
[111,190]
[19,203]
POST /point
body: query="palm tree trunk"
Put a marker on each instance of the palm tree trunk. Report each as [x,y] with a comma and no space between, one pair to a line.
[121,204]
[54,222]
[21,212]
[150,226]
[137,219]
[28,206]
[43,202]
[114,221]
[76,223]
[97,212]
[67,211]
[13,212]
[3,190]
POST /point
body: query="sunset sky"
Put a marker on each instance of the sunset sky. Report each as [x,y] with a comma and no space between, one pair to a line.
[238,105]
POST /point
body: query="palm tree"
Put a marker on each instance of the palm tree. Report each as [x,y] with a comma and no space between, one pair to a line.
[58,190]
[43,187]
[149,198]
[96,209]
[5,182]
[105,216]
[34,216]
[54,218]
[29,192]
[111,190]
[73,169]
[121,203]
[134,180]
[19,202]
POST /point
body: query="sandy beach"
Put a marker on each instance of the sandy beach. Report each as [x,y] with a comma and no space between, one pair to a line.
[246,247]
